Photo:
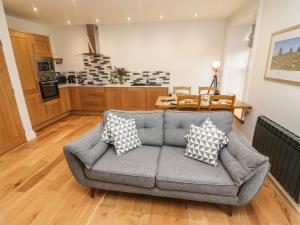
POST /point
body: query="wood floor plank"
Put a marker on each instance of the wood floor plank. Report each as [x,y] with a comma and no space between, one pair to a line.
[37,187]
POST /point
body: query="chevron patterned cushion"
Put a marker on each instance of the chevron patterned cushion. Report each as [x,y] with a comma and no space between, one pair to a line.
[112,121]
[205,142]
[125,137]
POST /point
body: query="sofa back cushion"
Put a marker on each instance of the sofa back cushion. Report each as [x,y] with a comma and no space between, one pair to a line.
[149,124]
[177,124]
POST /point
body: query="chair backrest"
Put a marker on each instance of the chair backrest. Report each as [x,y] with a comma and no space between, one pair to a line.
[186,102]
[221,102]
[207,90]
[182,90]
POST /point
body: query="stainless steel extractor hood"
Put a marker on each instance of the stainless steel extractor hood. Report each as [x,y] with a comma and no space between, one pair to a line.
[93,40]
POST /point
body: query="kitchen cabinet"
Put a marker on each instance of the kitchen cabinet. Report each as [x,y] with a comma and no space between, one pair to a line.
[36,108]
[152,94]
[65,99]
[123,98]
[136,99]
[75,98]
[25,61]
[116,97]
[41,45]
[11,129]
[53,108]
[92,99]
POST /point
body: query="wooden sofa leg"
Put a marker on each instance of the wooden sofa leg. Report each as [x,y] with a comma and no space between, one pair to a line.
[93,190]
[229,210]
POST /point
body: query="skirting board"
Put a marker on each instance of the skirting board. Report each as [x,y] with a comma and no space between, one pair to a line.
[291,200]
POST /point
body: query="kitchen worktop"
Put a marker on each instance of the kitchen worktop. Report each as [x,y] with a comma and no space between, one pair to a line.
[108,85]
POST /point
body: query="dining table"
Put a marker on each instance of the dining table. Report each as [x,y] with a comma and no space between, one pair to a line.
[240,108]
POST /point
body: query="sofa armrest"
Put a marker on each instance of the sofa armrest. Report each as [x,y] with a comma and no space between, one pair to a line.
[249,189]
[84,152]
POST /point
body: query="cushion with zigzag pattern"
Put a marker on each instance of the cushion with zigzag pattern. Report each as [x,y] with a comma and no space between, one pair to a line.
[125,137]
[205,142]
[112,121]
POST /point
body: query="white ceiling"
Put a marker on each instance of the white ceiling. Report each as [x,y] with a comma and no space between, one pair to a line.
[58,12]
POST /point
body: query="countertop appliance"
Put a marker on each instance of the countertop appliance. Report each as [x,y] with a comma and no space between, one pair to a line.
[61,79]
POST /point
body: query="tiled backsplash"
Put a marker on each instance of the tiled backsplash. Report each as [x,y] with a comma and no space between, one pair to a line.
[97,68]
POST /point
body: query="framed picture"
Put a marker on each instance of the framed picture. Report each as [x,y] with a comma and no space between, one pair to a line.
[284,56]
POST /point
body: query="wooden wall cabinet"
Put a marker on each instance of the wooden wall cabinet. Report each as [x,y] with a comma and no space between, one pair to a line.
[41,45]
[25,61]
[65,99]
[152,94]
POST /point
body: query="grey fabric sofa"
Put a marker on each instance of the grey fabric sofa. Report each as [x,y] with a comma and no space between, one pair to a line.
[159,167]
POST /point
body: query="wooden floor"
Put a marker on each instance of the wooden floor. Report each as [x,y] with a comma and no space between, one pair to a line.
[37,188]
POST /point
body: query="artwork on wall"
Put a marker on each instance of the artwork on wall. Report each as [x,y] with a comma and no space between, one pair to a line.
[284,56]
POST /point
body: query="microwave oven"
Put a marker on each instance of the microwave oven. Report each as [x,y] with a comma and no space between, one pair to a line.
[44,65]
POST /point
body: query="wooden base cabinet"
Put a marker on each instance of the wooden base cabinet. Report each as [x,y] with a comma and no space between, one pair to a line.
[36,108]
[65,99]
[116,98]
[53,108]
[136,99]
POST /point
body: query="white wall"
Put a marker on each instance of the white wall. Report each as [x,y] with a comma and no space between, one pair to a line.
[186,49]
[236,51]
[278,101]
[14,75]
[69,42]
[28,26]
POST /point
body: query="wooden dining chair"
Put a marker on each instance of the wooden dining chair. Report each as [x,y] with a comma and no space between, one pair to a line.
[182,90]
[207,90]
[187,102]
[221,102]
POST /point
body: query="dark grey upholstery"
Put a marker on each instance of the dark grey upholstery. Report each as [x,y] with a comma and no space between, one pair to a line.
[149,125]
[241,160]
[179,173]
[177,124]
[137,167]
[162,171]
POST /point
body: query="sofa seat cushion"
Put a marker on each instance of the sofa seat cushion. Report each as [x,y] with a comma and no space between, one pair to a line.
[179,173]
[137,167]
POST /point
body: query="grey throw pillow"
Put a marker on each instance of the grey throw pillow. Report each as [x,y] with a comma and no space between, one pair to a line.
[112,121]
[240,159]
[205,142]
[125,137]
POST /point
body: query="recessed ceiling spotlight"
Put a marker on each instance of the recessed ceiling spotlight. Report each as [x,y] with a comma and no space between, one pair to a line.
[161,17]
[69,22]
[128,18]
[196,15]
[97,20]
[35,9]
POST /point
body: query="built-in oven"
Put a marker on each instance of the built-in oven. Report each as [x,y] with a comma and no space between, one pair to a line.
[44,65]
[49,90]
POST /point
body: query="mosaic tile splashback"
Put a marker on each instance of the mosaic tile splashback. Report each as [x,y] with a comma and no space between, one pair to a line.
[98,68]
